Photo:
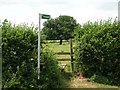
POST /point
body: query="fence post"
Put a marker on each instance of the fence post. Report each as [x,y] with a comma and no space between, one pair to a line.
[71,55]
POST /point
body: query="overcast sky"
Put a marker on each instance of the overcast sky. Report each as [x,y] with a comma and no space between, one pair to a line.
[19,11]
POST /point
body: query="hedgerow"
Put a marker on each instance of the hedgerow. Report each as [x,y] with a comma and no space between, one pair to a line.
[19,59]
[98,50]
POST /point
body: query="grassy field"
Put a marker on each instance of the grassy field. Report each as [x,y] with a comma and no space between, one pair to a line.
[69,80]
[55,47]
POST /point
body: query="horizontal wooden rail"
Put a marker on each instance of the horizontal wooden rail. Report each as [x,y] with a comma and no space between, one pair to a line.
[63,59]
[63,53]
[42,63]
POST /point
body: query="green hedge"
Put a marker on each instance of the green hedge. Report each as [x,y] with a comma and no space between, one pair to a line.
[50,76]
[98,50]
[19,59]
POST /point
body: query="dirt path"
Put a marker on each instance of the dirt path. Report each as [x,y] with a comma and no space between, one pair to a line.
[81,83]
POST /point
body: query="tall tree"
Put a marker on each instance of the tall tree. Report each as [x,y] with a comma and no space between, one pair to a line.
[60,28]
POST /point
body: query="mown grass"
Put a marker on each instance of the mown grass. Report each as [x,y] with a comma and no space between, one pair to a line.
[55,47]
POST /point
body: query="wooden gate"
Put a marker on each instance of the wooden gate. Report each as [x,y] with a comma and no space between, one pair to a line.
[68,53]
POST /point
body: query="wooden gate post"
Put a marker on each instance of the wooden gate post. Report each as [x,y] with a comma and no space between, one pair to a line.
[71,55]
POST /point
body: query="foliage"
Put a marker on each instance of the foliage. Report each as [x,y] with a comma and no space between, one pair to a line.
[99,79]
[60,28]
[19,58]
[50,74]
[97,49]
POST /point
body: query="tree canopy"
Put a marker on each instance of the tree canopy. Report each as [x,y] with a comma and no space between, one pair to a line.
[60,28]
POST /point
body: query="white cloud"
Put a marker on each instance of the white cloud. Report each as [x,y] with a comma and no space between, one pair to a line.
[82,10]
[19,13]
